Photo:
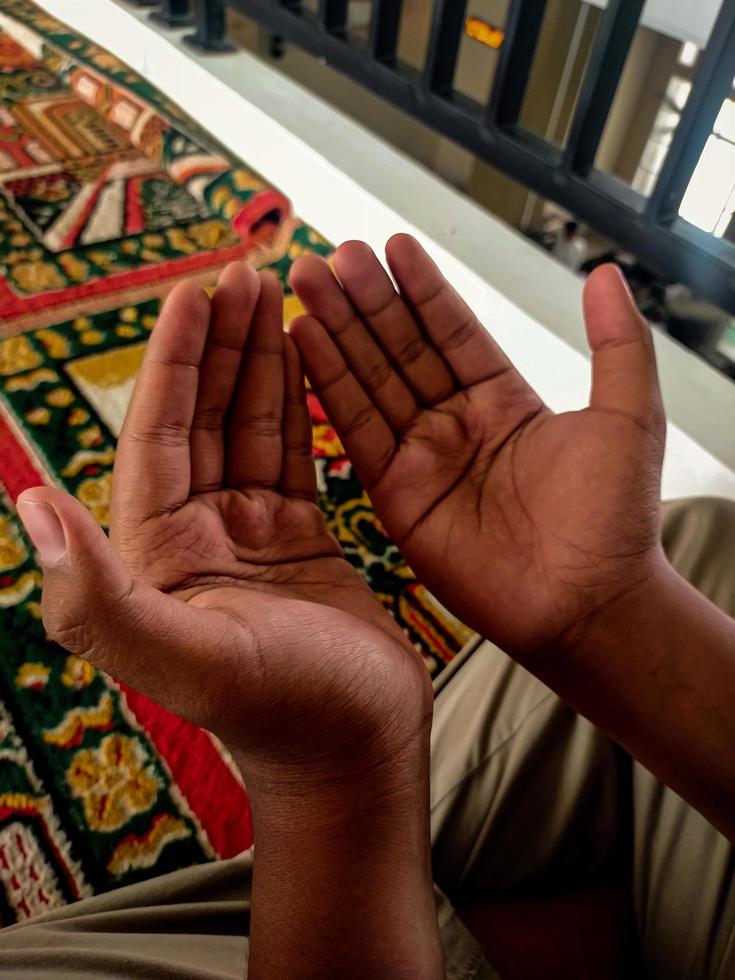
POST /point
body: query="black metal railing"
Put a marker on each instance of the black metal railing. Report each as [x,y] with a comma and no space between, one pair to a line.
[648,227]
[173,13]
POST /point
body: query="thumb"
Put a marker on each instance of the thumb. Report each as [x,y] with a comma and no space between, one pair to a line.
[93,608]
[624,375]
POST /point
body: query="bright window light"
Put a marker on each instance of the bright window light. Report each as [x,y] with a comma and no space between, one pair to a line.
[725,122]
[678,91]
[688,54]
[711,186]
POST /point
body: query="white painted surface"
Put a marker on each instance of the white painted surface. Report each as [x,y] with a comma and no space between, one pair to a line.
[685,20]
[349,184]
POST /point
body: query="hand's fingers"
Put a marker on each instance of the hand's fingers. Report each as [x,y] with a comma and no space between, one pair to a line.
[322,296]
[372,294]
[624,376]
[153,466]
[468,349]
[169,650]
[298,477]
[254,444]
[232,309]
[369,442]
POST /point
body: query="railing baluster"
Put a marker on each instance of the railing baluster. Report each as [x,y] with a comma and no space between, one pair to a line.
[606,63]
[522,29]
[713,83]
[210,34]
[333,15]
[173,13]
[384,28]
[679,251]
[441,57]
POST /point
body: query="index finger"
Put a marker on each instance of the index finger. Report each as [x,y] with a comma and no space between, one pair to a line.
[153,467]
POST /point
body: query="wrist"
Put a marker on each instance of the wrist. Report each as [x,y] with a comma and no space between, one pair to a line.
[614,619]
[388,753]
[343,873]
[323,791]
[655,670]
[603,664]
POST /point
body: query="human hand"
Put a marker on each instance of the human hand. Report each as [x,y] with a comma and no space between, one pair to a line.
[523,522]
[220,593]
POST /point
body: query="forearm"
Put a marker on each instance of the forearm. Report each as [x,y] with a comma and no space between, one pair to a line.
[656,670]
[342,881]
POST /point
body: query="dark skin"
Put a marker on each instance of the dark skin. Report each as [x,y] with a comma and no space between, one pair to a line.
[222,595]
[556,519]
[431,402]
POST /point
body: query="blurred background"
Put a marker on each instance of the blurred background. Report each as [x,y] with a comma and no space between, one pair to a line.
[656,67]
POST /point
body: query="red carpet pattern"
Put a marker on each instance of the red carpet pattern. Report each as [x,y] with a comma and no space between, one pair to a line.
[108,195]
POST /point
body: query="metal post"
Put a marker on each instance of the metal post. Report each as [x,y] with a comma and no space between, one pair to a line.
[173,13]
[210,34]
[713,83]
[441,58]
[333,16]
[607,60]
[384,28]
[522,29]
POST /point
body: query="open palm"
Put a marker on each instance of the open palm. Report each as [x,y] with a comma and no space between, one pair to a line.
[523,522]
[222,593]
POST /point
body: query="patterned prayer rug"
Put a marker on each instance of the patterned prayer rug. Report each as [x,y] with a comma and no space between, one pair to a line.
[109,194]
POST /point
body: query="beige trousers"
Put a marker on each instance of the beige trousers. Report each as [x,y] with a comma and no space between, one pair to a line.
[524,793]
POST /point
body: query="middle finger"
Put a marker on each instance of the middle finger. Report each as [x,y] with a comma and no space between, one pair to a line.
[322,296]
[371,291]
